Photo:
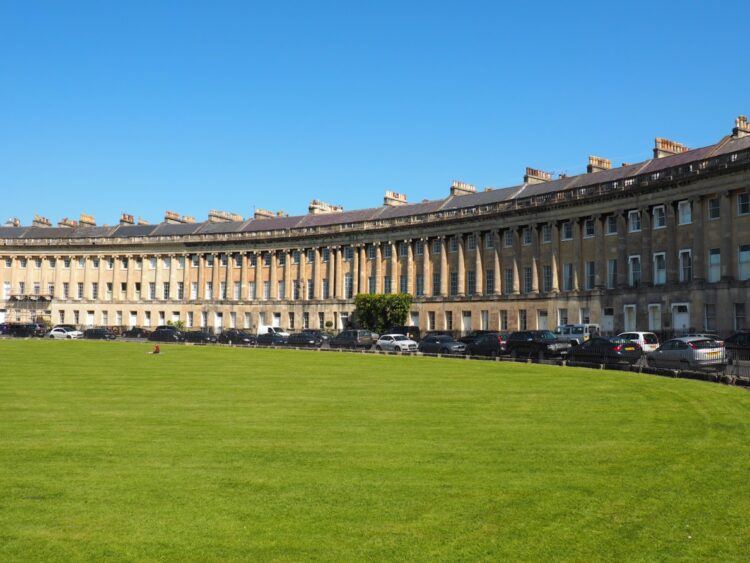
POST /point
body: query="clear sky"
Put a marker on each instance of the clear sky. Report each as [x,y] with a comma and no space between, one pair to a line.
[141,107]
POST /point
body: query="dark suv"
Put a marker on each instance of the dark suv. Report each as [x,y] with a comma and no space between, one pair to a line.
[99,334]
[738,347]
[24,330]
[237,338]
[488,344]
[541,343]
[199,337]
[166,335]
[353,339]
[308,339]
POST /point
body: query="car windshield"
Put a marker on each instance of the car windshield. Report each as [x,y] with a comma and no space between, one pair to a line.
[650,339]
[547,335]
[577,330]
[399,337]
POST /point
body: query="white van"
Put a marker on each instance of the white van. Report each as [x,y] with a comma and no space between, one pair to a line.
[576,334]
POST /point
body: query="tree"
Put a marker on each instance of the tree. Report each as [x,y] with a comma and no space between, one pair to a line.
[378,313]
[177,325]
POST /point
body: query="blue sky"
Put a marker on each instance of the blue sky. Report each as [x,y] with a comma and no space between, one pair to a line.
[143,107]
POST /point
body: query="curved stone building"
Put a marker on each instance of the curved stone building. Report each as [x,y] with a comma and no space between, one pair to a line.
[657,245]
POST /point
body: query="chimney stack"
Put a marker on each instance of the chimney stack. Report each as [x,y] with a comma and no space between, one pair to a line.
[667,147]
[173,218]
[13,222]
[318,207]
[263,214]
[126,219]
[462,188]
[598,164]
[142,221]
[67,223]
[741,127]
[87,220]
[216,216]
[40,221]
[534,176]
[393,199]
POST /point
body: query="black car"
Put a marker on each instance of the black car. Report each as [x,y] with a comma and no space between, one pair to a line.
[4,327]
[136,332]
[441,344]
[473,336]
[199,337]
[99,334]
[612,351]
[237,338]
[489,344]
[307,339]
[738,347]
[542,343]
[353,339]
[272,339]
[166,335]
[24,330]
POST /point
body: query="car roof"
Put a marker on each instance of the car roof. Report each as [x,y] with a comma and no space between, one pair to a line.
[690,338]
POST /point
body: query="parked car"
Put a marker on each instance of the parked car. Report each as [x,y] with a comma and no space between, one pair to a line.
[136,332]
[238,338]
[166,335]
[353,339]
[275,330]
[199,337]
[441,344]
[472,336]
[646,340]
[411,332]
[25,330]
[67,332]
[99,334]
[272,339]
[4,328]
[489,344]
[612,350]
[738,347]
[395,343]
[541,343]
[306,338]
[576,334]
[688,353]
[324,336]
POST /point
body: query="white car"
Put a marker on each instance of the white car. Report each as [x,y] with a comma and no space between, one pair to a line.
[67,332]
[395,343]
[647,340]
[275,330]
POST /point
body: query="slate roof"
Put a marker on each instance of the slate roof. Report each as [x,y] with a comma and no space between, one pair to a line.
[725,146]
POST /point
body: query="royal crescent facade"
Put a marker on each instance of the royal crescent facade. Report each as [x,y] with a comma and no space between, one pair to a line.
[662,244]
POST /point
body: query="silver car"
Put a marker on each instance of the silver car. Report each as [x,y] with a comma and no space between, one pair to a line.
[395,343]
[687,352]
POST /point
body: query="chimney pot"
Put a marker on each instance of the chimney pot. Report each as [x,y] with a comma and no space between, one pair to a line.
[667,147]
[126,219]
[318,207]
[536,176]
[741,127]
[597,164]
[393,199]
[13,222]
[40,221]
[462,188]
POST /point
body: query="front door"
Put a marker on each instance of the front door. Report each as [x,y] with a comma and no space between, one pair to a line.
[680,317]
[629,318]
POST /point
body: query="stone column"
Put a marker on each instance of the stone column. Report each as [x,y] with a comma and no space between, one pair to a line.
[555,264]
[339,272]
[288,281]
[244,278]
[216,276]
[444,289]
[201,277]
[273,279]
[56,279]
[317,274]
[622,255]
[600,268]
[672,257]
[409,267]
[516,256]
[479,263]
[100,280]
[331,272]
[535,252]
[647,259]
[426,267]
[577,254]
[498,263]
[301,274]
[229,276]
[727,228]
[362,269]
[172,276]
[461,264]
[378,268]
[395,282]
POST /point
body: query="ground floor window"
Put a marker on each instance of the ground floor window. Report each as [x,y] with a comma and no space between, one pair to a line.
[562,316]
[709,316]
[503,320]
[522,324]
[448,320]
[654,317]
[739,316]
[431,320]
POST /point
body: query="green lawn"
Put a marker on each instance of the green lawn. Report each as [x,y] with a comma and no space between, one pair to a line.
[216,453]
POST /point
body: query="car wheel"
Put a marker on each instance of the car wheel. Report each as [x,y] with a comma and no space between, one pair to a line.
[445,351]
[378,348]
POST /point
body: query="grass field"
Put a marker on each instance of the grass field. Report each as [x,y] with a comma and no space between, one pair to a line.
[214,453]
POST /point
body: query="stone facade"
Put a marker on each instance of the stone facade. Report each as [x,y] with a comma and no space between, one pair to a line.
[659,245]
